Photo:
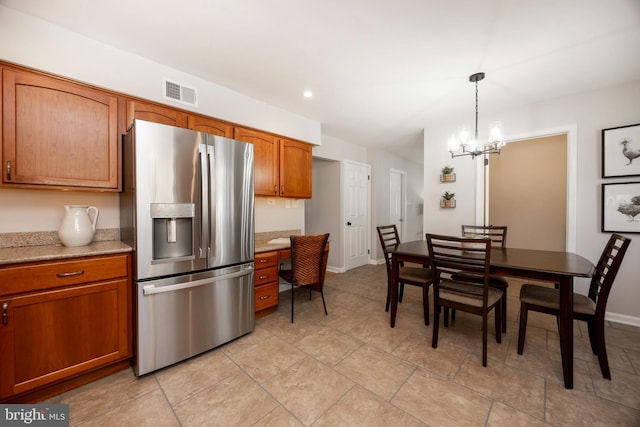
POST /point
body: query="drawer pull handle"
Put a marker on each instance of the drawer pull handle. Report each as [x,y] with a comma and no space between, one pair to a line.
[71,273]
[264,260]
[264,297]
[264,277]
[5,307]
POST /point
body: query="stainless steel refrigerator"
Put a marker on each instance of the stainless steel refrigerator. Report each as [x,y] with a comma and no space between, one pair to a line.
[187,209]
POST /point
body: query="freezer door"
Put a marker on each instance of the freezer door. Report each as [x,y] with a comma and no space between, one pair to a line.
[231,201]
[183,316]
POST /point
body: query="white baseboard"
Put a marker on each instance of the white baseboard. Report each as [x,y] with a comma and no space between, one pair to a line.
[622,318]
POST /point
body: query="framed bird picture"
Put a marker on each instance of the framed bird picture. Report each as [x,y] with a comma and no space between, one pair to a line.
[621,151]
[621,207]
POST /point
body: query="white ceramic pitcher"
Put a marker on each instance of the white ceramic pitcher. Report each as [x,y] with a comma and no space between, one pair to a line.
[76,228]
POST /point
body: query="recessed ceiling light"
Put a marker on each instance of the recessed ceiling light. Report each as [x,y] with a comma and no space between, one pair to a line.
[307,94]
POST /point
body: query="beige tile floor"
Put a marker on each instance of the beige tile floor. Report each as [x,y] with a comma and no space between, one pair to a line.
[351,369]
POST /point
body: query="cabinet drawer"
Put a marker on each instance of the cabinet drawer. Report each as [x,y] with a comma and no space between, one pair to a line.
[266,296]
[266,275]
[266,259]
[51,274]
[284,254]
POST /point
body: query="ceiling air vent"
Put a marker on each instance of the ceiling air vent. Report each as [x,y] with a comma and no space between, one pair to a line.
[179,92]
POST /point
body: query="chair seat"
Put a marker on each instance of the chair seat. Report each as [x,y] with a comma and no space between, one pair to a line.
[494,280]
[415,274]
[468,294]
[550,298]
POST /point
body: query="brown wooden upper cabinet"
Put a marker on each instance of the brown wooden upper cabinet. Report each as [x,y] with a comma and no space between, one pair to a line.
[155,113]
[282,166]
[58,134]
[210,126]
[295,169]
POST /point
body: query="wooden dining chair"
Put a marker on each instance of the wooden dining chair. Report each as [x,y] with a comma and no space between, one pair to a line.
[449,255]
[308,265]
[498,237]
[416,276]
[589,308]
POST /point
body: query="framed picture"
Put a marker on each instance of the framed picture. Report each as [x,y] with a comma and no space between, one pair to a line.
[621,207]
[621,151]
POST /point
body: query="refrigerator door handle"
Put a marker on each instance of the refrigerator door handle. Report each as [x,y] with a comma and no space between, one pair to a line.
[204,200]
[152,289]
[212,200]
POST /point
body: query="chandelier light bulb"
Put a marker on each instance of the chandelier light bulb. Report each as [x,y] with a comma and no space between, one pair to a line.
[454,145]
[473,144]
[497,136]
[464,136]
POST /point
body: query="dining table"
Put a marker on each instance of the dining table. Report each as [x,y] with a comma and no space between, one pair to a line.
[556,267]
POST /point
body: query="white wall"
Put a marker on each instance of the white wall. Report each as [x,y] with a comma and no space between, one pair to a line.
[322,211]
[41,45]
[590,112]
[382,165]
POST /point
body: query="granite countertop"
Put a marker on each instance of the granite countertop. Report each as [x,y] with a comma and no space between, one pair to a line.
[261,242]
[265,246]
[53,252]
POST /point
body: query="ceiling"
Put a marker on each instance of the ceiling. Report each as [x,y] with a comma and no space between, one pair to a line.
[380,71]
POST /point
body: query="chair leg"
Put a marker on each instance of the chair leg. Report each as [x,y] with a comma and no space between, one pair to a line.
[484,340]
[323,304]
[425,303]
[386,307]
[292,303]
[522,331]
[401,293]
[446,317]
[602,350]
[498,318]
[309,294]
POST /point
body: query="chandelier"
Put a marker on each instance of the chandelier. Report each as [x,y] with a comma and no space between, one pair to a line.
[465,145]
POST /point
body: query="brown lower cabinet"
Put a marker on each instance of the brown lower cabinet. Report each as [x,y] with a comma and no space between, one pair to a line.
[266,280]
[62,320]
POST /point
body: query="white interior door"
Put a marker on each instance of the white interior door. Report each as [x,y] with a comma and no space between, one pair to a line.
[357,187]
[397,201]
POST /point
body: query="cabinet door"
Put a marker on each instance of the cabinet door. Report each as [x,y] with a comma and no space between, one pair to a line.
[56,133]
[295,169]
[155,113]
[265,154]
[51,335]
[210,126]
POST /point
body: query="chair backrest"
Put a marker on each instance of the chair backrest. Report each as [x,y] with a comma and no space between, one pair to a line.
[497,233]
[388,235]
[449,255]
[308,259]
[606,270]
